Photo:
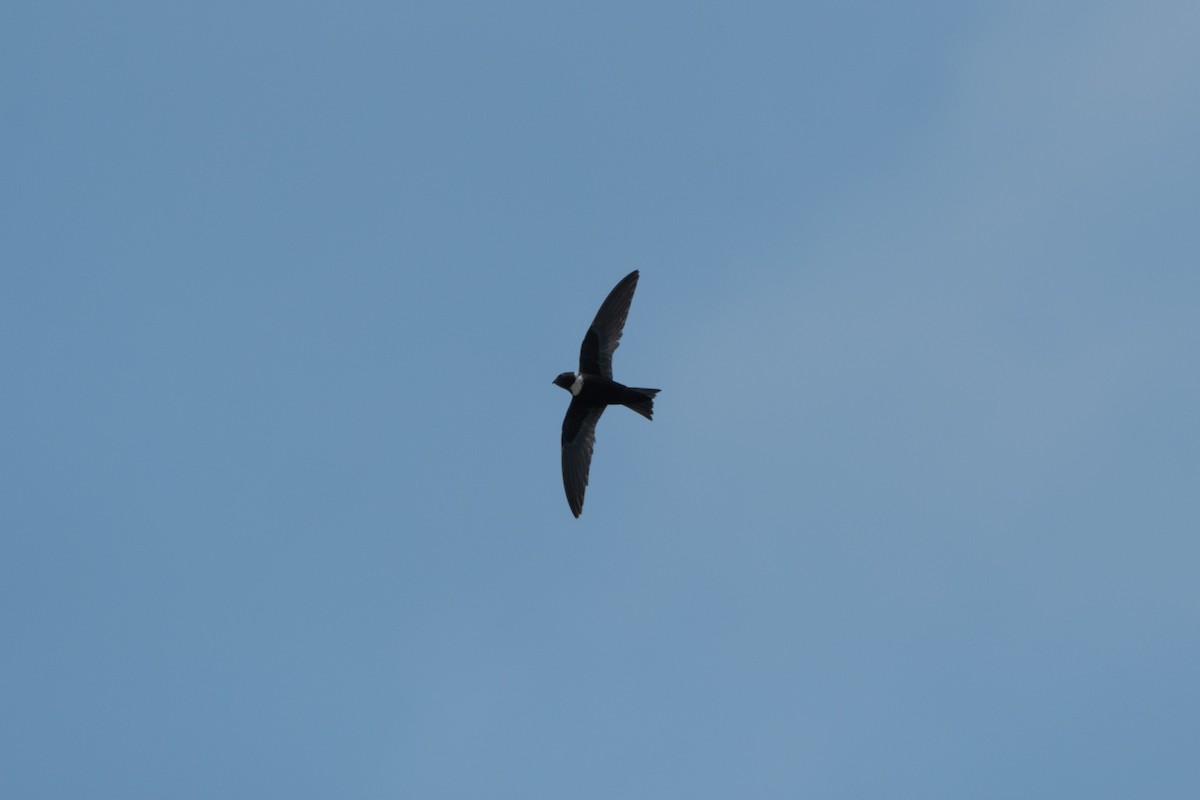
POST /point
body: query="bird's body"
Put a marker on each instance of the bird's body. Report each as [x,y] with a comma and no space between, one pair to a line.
[593,389]
[598,390]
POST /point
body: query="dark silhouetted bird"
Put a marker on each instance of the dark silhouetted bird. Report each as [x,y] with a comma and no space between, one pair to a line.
[593,389]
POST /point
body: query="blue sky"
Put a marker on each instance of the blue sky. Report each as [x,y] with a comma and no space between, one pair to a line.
[284,287]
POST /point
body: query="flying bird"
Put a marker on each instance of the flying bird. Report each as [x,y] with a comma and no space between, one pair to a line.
[593,389]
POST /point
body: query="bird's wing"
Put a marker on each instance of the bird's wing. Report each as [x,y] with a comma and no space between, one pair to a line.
[595,357]
[578,438]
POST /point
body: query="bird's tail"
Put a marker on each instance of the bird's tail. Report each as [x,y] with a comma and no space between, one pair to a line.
[641,401]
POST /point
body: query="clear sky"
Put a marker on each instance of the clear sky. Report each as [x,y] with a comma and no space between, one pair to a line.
[283,287]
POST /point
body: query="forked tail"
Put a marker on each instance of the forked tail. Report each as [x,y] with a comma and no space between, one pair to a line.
[641,401]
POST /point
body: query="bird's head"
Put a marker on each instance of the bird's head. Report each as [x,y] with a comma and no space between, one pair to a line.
[565,380]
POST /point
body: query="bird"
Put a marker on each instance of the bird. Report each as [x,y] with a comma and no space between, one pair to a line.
[593,389]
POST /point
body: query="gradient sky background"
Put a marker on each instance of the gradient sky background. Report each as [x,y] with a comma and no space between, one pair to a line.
[283,290]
